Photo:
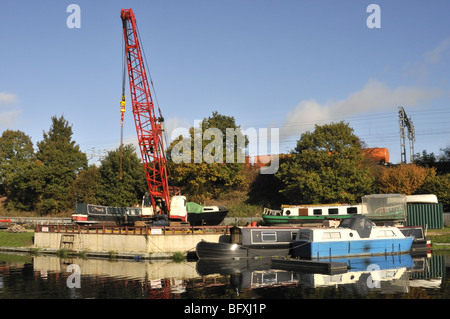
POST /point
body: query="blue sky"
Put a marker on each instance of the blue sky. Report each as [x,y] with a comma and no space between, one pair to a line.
[288,64]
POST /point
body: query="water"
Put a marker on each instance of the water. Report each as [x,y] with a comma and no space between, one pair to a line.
[48,277]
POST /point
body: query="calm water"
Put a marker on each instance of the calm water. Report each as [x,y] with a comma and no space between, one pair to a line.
[404,276]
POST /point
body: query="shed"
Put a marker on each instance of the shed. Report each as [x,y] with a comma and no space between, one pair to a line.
[429,215]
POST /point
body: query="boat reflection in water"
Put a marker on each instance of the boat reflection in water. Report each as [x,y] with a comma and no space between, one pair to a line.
[251,277]
[384,274]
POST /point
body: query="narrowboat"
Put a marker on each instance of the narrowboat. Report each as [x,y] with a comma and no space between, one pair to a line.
[249,242]
[194,214]
[354,237]
[309,214]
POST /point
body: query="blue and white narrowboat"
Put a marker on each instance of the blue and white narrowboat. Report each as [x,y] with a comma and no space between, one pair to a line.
[355,236]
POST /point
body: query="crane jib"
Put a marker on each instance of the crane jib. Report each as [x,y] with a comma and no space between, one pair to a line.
[148,125]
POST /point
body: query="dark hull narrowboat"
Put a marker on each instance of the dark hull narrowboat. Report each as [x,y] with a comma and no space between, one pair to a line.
[198,215]
[207,218]
[86,214]
[194,214]
[250,242]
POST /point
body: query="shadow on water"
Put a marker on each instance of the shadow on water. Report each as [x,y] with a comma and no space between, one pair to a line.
[393,276]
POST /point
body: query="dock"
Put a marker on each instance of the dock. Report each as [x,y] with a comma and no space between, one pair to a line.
[144,242]
[309,266]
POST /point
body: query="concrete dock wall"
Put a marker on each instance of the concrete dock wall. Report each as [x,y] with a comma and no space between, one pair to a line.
[145,245]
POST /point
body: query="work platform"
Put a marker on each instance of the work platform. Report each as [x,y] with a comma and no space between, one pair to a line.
[142,242]
[309,266]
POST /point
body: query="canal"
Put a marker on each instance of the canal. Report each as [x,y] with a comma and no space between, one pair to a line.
[383,277]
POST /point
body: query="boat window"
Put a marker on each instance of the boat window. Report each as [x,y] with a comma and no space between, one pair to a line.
[288,212]
[331,235]
[269,236]
[317,211]
[304,235]
[333,211]
[386,233]
[293,235]
[352,210]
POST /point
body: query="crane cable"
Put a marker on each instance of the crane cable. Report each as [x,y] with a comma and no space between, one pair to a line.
[161,118]
[122,109]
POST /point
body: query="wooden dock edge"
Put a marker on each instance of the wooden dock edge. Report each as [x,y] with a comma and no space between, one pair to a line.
[311,266]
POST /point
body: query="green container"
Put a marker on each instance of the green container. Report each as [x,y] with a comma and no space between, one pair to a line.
[426,215]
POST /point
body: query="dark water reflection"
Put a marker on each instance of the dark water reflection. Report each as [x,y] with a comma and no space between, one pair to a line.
[404,276]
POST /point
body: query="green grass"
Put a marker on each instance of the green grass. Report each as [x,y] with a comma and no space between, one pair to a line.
[439,236]
[8,239]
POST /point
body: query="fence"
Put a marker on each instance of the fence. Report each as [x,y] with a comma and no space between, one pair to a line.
[447,219]
[40,220]
[116,230]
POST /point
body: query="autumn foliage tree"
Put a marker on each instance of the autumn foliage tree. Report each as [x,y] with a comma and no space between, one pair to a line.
[327,166]
[205,171]
[404,178]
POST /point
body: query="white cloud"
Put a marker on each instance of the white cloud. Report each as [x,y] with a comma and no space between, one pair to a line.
[436,55]
[7,98]
[374,96]
[9,118]
[421,69]
[8,114]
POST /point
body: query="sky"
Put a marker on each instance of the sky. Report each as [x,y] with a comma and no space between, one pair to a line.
[287,64]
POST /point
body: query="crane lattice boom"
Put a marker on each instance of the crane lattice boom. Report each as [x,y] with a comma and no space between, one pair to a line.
[148,125]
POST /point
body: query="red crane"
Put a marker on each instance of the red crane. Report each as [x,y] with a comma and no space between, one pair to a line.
[148,125]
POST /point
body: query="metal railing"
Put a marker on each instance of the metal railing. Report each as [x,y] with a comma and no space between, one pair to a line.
[126,230]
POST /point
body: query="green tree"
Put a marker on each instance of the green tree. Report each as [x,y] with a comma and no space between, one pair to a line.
[438,185]
[86,187]
[25,186]
[127,191]
[61,161]
[16,151]
[425,159]
[205,171]
[18,180]
[327,166]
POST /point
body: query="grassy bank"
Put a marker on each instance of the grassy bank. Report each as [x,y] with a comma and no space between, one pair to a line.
[8,239]
[440,236]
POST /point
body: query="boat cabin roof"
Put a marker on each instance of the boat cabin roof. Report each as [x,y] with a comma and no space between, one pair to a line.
[355,228]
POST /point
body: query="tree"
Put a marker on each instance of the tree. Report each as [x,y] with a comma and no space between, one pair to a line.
[17,170]
[404,178]
[206,171]
[86,187]
[16,151]
[327,166]
[425,159]
[438,185]
[127,191]
[25,186]
[61,161]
